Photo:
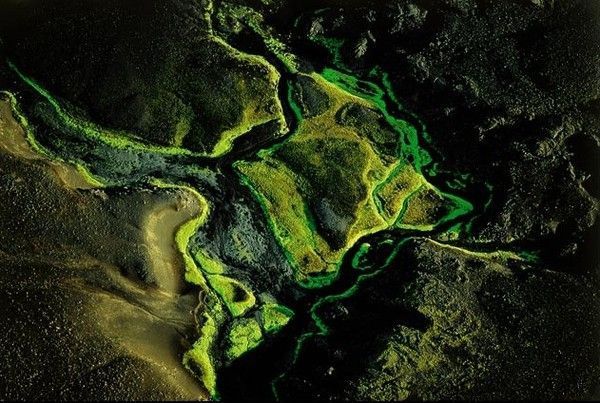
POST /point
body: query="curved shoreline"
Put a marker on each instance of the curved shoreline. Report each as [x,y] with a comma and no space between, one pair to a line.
[160,228]
[165,246]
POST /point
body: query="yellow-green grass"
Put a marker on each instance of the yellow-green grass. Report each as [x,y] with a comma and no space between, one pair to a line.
[208,264]
[258,108]
[90,178]
[391,194]
[326,160]
[83,172]
[236,296]
[274,317]
[113,138]
[499,256]
[257,95]
[427,207]
[245,335]
[199,358]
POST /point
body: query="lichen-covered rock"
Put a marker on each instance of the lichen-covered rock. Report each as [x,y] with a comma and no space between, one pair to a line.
[153,71]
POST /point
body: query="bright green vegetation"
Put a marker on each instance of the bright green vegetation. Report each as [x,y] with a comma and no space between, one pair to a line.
[254,83]
[394,191]
[411,157]
[208,264]
[258,109]
[187,230]
[425,211]
[350,169]
[68,121]
[322,328]
[357,259]
[314,311]
[92,180]
[235,295]
[199,358]
[408,147]
[274,317]
[251,85]
[245,334]
[316,163]
[243,93]
[500,256]
[390,195]
[37,147]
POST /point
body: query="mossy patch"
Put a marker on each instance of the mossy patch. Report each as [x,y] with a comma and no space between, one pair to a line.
[236,296]
[231,92]
[208,264]
[274,317]
[392,195]
[336,179]
[215,95]
[245,335]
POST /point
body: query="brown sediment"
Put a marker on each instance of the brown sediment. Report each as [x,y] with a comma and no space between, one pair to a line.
[88,323]
[15,142]
[162,221]
[166,262]
[14,139]
[148,324]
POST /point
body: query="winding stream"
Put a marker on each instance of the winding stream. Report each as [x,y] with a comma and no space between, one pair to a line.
[258,374]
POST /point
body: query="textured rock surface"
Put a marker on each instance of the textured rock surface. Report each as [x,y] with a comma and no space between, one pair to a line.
[444,324]
[82,317]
